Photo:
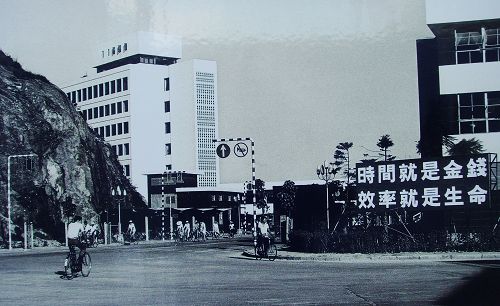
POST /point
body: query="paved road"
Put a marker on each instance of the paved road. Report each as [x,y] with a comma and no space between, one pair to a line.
[215,273]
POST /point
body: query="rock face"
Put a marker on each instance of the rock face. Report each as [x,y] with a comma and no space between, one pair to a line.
[73,170]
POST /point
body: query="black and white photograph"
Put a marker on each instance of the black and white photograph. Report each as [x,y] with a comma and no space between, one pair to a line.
[230,152]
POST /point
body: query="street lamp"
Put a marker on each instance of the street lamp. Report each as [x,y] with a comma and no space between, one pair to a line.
[326,172]
[8,193]
[119,192]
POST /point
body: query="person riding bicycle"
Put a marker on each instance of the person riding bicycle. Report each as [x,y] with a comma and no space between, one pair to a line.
[203,230]
[131,231]
[75,232]
[187,230]
[263,234]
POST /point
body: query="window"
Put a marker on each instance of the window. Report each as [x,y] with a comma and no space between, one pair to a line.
[119,49]
[101,131]
[95,91]
[167,127]
[113,129]
[120,150]
[106,88]
[113,148]
[106,109]
[113,108]
[119,85]
[73,96]
[107,130]
[126,148]
[468,47]
[168,149]
[89,90]
[69,95]
[125,83]
[96,112]
[127,170]
[166,84]
[125,106]
[120,128]
[113,87]
[167,106]
[124,47]
[101,90]
[168,167]
[101,111]
[84,114]
[125,127]
[89,113]
[119,107]
[84,94]
[79,95]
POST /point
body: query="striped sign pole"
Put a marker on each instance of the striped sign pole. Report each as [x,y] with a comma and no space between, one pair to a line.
[253,181]
[163,206]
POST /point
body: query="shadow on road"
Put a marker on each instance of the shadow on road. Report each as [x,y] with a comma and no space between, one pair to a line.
[482,288]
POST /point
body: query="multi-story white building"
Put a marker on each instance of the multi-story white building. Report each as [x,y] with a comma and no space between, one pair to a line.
[157,113]
[459,73]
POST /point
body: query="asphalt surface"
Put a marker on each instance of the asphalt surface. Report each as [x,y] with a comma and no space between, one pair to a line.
[215,273]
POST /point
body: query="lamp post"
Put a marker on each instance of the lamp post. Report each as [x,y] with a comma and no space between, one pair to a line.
[326,172]
[9,191]
[119,192]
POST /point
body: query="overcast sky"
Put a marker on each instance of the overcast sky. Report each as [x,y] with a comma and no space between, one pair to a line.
[297,76]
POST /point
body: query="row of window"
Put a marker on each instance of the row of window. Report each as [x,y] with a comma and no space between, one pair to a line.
[477,47]
[121,149]
[99,90]
[112,129]
[105,110]
[472,113]
[116,50]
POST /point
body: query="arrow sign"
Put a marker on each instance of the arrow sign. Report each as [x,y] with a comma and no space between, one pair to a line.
[223,150]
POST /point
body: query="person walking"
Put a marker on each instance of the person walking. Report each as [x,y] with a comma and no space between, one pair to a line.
[203,230]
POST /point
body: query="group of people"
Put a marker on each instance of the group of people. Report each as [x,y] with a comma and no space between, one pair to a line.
[85,232]
[184,232]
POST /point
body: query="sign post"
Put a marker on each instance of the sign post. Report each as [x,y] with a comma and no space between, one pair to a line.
[241,150]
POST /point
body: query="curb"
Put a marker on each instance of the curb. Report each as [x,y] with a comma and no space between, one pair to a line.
[412,257]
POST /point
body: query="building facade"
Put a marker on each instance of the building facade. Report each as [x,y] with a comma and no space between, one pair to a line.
[157,113]
[459,74]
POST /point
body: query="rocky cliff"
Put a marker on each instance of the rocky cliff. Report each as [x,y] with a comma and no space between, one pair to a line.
[73,170]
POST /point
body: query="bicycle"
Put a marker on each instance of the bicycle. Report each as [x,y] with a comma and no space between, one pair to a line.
[83,263]
[271,253]
[130,238]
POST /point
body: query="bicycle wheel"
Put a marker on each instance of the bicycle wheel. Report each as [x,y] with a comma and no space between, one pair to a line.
[272,253]
[86,264]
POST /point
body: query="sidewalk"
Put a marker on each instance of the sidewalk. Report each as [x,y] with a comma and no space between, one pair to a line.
[284,254]
[64,249]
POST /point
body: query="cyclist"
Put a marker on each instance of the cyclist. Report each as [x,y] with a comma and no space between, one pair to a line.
[216,230]
[263,234]
[203,230]
[75,231]
[131,231]
[232,230]
[187,230]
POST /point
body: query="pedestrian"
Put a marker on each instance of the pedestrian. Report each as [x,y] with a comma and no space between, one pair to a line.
[180,230]
[216,230]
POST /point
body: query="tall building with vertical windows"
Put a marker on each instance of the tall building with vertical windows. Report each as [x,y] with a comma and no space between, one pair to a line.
[459,74]
[157,112]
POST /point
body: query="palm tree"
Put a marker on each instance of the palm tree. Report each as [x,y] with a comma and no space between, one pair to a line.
[384,143]
[466,147]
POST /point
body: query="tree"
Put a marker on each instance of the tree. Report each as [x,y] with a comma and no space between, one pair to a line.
[342,159]
[466,147]
[384,143]
[287,197]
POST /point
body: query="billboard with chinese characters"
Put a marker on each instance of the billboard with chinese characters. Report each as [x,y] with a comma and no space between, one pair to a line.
[454,181]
